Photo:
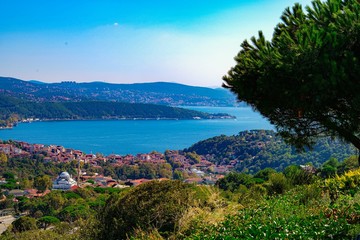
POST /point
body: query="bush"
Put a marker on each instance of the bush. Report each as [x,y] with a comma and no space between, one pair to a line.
[232,181]
[265,173]
[297,176]
[24,224]
[153,205]
[346,183]
[277,184]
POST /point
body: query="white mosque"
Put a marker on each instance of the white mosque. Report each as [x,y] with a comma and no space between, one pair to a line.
[64,182]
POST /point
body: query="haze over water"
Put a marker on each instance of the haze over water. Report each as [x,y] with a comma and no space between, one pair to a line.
[136,136]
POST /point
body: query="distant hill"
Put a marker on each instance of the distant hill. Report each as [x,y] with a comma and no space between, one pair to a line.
[18,109]
[164,93]
[258,149]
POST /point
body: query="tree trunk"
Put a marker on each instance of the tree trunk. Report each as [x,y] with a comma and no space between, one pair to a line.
[350,137]
[355,142]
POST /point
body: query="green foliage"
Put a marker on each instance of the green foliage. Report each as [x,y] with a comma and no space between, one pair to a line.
[301,213]
[348,182]
[277,184]
[85,193]
[306,79]
[42,183]
[90,181]
[8,175]
[75,212]
[194,158]
[262,224]
[350,163]
[259,149]
[46,221]
[72,195]
[275,209]
[94,110]
[178,175]
[151,205]
[24,224]
[307,194]
[144,170]
[39,235]
[232,181]
[297,176]
[265,173]
[27,168]
[107,190]
[329,168]
[11,184]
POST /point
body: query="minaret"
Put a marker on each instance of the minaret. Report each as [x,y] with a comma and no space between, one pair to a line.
[78,177]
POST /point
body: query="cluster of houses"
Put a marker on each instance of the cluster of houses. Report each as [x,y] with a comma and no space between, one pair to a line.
[201,171]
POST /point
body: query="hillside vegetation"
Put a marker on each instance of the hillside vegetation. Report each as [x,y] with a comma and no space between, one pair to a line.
[276,208]
[259,149]
[10,107]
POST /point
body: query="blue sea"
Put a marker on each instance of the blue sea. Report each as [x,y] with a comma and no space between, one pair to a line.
[136,136]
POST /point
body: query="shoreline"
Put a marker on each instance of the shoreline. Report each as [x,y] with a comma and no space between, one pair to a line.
[134,136]
[212,117]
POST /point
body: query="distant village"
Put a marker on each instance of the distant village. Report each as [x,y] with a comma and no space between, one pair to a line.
[200,172]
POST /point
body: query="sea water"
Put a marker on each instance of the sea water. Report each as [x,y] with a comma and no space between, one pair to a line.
[136,136]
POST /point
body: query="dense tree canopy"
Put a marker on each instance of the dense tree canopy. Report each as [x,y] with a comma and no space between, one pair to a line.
[42,183]
[306,79]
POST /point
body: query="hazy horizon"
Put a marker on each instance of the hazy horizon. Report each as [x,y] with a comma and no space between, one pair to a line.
[99,81]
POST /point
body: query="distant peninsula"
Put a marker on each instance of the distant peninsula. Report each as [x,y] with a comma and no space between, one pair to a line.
[15,110]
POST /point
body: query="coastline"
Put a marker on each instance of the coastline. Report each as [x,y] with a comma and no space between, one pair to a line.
[129,136]
[218,116]
[6,128]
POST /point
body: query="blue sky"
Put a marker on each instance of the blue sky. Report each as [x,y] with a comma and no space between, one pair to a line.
[190,42]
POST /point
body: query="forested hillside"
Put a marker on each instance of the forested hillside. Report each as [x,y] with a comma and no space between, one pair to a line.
[10,106]
[259,149]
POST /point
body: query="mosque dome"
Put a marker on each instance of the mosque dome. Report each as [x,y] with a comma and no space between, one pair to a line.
[64,175]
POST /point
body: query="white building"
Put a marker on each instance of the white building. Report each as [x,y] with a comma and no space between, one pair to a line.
[64,182]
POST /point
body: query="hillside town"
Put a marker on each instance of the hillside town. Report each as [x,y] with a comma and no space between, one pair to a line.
[195,168]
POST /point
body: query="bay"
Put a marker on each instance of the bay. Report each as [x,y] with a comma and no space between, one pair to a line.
[136,136]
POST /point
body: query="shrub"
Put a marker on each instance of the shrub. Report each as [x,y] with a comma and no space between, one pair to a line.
[233,180]
[277,184]
[265,173]
[24,224]
[298,176]
[153,205]
[308,193]
[348,182]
